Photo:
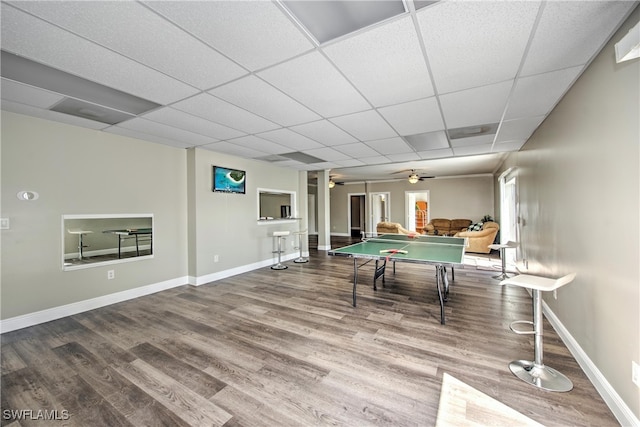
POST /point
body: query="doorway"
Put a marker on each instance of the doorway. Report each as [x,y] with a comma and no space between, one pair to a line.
[380,211]
[509,213]
[357,222]
[417,210]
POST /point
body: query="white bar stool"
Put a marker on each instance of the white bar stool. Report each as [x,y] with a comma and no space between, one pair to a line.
[300,259]
[81,244]
[280,235]
[501,248]
[536,373]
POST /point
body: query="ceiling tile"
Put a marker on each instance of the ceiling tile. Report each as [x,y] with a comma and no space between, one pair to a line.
[186,121]
[476,106]
[414,117]
[191,60]
[290,139]
[537,95]
[165,131]
[388,146]
[313,81]
[328,154]
[324,132]
[376,160]
[473,44]
[436,154]
[571,32]
[233,149]
[518,129]
[28,95]
[348,163]
[403,157]
[385,63]
[256,34]
[147,137]
[259,97]
[365,126]
[216,110]
[507,146]
[253,142]
[58,48]
[472,150]
[356,150]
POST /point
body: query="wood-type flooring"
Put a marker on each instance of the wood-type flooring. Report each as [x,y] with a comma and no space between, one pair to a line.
[286,348]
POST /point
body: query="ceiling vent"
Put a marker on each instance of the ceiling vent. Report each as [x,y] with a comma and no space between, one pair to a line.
[472,131]
[97,102]
[328,20]
[90,111]
[302,157]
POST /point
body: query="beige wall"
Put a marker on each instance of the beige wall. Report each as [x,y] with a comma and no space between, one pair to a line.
[579,189]
[470,198]
[82,171]
[227,224]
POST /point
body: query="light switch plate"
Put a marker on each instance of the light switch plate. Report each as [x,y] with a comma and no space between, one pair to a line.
[4,223]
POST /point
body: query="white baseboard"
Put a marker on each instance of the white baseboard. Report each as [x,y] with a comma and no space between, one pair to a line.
[47,315]
[31,319]
[620,410]
[201,280]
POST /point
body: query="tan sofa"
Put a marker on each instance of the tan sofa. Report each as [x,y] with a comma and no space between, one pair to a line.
[445,226]
[479,241]
[391,228]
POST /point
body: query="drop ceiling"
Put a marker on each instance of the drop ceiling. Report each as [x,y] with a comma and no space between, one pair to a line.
[446,88]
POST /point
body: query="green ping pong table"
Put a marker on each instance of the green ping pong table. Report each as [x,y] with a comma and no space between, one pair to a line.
[440,251]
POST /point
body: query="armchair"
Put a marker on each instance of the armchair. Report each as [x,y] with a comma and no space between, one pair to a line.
[479,241]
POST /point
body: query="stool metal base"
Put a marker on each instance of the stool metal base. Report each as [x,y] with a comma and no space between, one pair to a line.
[279,266]
[502,276]
[540,376]
[300,260]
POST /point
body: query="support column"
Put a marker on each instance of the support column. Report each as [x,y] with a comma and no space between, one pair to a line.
[324,211]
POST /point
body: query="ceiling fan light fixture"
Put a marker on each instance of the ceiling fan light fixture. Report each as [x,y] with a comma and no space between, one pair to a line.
[413,178]
[331,183]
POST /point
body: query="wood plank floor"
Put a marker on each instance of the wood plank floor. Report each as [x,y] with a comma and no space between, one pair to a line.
[286,348]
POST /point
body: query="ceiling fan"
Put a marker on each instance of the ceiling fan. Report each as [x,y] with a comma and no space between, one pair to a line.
[414,177]
[333,183]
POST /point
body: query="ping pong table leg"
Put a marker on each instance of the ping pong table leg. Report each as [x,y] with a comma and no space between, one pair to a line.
[355,279]
[439,284]
[379,272]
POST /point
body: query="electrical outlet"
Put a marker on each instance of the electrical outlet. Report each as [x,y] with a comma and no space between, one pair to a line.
[635,373]
[4,223]
[111,274]
[216,258]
